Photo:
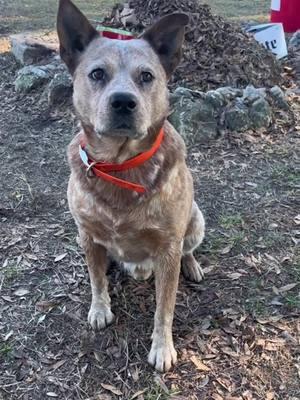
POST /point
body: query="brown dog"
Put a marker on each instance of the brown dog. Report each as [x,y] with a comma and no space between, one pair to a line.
[150,222]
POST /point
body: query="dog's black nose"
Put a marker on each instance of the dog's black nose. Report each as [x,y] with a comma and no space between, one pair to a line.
[123,102]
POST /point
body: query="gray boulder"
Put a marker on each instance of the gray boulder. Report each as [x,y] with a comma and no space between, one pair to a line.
[260,113]
[251,94]
[60,89]
[194,119]
[229,93]
[28,51]
[32,77]
[294,42]
[237,118]
[216,99]
[279,98]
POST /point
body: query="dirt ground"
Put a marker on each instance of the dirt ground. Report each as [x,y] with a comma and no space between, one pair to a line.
[237,333]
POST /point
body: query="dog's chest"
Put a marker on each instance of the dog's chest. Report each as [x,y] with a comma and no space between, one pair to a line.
[127,236]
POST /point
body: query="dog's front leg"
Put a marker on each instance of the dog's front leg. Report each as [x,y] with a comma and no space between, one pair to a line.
[162,354]
[100,314]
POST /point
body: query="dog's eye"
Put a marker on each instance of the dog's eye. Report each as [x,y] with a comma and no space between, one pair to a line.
[97,74]
[146,77]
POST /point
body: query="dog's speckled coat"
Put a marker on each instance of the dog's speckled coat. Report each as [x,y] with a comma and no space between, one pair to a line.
[156,231]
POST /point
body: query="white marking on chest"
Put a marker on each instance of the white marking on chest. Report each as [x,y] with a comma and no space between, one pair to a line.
[141,271]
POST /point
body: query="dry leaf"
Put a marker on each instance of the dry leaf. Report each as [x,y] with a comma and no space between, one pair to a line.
[137,394]
[98,357]
[21,292]
[234,275]
[204,382]
[45,305]
[57,365]
[8,336]
[216,396]
[60,257]
[209,269]
[199,364]
[270,396]
[226,249]
[158,380]
[288,287]
[273,346]
[297,219]
[8,299]
[112,389]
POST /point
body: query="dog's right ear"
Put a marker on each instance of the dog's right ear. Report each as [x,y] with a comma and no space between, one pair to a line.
[74,33]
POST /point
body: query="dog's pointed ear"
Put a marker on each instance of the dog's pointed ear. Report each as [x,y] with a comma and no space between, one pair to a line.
[74,33]
[166,38]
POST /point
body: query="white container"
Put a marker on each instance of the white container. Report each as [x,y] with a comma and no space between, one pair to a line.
[271,36]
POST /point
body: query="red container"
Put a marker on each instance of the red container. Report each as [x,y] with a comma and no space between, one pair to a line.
[112,33]
[288,15]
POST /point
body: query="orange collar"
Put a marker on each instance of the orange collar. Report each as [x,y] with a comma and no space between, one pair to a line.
[101,169]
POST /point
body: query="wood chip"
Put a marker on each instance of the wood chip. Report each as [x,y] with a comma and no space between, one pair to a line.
[112,389]
[199,364]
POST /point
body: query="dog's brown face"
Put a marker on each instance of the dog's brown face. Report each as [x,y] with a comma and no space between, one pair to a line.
[120,87]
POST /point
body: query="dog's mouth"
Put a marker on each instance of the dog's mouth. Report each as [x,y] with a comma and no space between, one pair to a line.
[121,130]
[124,127]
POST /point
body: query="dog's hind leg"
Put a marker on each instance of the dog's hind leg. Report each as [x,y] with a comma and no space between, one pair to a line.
[100,314]
[190,267]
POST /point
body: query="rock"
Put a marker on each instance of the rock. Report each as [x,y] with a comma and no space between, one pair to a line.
[195,120]
[250,94]
[279,98]
[237,118]
[294,42]
[28,50]
[60,89]
[260,113]
[31,77]
[229,93]
[216,99]
[182,91]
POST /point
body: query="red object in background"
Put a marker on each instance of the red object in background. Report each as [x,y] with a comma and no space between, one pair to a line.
[288,15]
[115,34]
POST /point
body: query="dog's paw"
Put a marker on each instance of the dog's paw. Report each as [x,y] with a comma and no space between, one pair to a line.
[191,269]
[100,316]
[162,355]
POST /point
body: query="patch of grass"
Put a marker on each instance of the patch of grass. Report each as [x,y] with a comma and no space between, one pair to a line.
[273,239]
[256,306]
[17,15]
[293,300]
[11,271]
[215,243]
[284,174]
[231,221]
[5,350]
[257,10]
[157,393]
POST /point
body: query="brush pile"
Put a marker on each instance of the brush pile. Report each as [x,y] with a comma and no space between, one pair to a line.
[216,52]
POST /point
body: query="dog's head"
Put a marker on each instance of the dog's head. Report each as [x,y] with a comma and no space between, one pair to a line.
[120,87]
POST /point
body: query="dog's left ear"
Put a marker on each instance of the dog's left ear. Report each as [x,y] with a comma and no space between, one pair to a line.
[74,33]
[166,37]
